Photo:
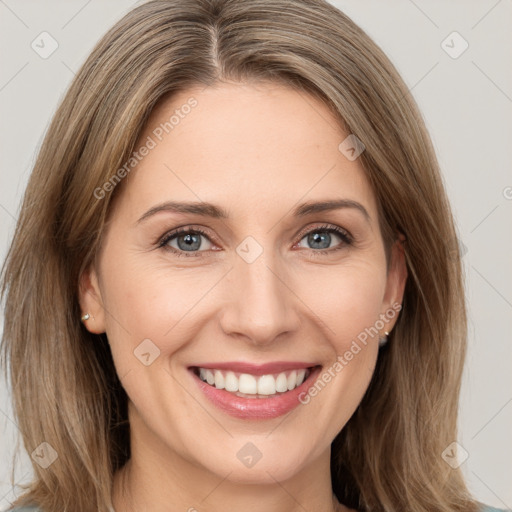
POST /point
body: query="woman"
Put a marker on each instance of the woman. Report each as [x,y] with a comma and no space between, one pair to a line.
[176,338]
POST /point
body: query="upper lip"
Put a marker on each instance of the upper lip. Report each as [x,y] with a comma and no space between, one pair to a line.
[256,369]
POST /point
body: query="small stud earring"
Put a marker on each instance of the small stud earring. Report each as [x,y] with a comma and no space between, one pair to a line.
[85,317]
[384,339]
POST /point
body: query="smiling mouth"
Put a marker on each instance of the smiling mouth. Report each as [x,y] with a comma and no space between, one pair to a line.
[246,385]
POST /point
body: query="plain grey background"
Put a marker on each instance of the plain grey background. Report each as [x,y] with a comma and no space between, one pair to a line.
[465,95]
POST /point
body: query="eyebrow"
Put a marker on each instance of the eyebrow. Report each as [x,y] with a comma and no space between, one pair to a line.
[217,212]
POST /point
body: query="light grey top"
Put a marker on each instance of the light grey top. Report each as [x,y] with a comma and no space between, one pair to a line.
[484,508]
[32,508]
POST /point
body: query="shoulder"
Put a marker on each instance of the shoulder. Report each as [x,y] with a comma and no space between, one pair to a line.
[32,508]
[485,508]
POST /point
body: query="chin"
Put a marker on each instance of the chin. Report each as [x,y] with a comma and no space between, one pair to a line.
[261,469]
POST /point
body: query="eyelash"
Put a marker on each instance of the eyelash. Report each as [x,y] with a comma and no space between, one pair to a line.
[326,228]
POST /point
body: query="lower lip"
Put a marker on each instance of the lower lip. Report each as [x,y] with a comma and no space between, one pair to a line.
[256,408]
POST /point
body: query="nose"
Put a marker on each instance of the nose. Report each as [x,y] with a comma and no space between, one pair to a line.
[260,303]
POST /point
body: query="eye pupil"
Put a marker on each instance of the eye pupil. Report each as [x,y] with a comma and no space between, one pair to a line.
[315,237]
[192,242]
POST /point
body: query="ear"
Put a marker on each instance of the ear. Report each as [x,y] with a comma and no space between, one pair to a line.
[395,284]
[89,297]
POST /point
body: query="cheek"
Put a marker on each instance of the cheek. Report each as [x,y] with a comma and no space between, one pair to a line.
[350,302]
[348,307]
[150,302]
[144,303]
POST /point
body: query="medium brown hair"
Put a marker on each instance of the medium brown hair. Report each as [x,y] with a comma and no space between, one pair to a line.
[64,385]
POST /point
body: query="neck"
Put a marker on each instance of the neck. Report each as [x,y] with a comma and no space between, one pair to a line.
[130,495]
[159,479]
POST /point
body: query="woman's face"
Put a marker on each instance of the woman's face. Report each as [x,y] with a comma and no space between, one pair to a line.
[260,290]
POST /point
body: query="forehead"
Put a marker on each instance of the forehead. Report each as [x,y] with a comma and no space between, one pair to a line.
[244,146]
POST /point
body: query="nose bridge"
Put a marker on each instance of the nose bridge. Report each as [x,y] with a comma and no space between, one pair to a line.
[259,305]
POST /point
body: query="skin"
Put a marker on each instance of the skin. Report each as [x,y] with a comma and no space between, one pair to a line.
[257,150]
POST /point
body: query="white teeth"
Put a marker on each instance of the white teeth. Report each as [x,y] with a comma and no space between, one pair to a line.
[231,382]
[251,386]
[281,383]
[266,385]
[300,376]
[292,380]
[247,384]
[219,380]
